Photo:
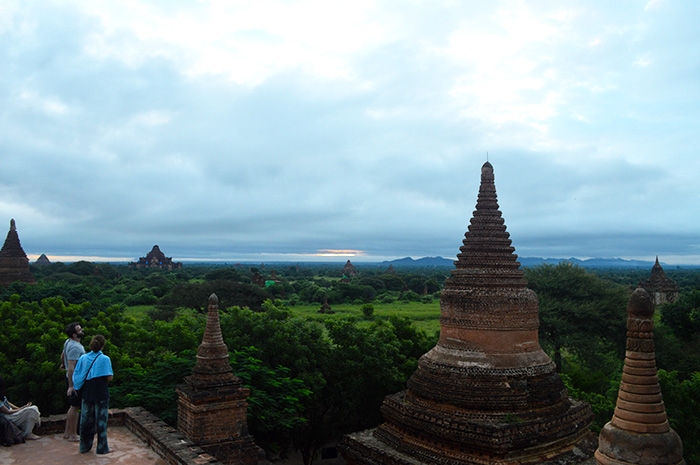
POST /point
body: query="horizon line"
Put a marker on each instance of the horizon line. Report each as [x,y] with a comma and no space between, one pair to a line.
[360,258]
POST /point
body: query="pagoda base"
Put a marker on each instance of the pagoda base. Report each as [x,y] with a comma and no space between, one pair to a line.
[412,436]
[216,420]
[365,448]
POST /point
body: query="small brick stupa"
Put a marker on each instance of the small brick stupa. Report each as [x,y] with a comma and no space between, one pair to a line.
[14,264]
[639,433]
[486,393]
[212,405]
[662,288]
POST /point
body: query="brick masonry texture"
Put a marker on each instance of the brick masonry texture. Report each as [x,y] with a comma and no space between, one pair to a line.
[486,393]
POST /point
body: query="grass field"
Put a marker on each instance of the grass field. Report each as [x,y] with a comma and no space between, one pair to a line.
[424,316]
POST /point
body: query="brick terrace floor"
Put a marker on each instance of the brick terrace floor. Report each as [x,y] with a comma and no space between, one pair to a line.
[52,449]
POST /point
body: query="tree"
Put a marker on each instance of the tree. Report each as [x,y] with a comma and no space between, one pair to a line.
[683,316]
[682,401]
[230,294]
[230,274]
[392,282]
[579,312]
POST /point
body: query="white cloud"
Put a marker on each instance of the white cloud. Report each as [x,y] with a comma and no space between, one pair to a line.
[247,42]
[51,106]
[290,127]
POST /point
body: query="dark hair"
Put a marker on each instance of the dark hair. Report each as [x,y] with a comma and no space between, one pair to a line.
[70,329]
[2,388]
[97,343]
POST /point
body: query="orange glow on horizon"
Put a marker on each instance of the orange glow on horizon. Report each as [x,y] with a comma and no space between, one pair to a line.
[339,253]
[77,258]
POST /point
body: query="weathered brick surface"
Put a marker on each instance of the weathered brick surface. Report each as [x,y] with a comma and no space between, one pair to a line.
[486,393]
[212,404]
[639,432]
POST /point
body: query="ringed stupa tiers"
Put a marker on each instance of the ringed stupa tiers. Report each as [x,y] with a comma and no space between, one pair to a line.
[486,393]
[639,432]
[14,264]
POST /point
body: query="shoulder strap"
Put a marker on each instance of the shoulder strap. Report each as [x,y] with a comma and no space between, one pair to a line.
[93,362]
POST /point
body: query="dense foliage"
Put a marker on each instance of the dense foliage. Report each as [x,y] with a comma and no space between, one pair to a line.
[314,379]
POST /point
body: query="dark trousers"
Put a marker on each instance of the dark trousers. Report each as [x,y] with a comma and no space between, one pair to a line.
[94,414]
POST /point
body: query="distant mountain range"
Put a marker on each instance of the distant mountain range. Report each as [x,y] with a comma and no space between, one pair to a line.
[439,262]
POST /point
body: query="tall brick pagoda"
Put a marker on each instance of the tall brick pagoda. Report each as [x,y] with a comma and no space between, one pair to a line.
[212,404]
[639,433]
[14,264]
[486,393]
[662,288]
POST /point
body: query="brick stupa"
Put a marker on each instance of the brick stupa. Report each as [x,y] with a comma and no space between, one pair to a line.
[639,432]
[14,264]
[486,393]
[212,404]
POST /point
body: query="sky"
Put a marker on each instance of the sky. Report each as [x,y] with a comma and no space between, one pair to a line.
[319,130]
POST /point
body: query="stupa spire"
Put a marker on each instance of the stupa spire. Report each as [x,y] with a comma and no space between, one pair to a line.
[14,264]
[639,432]
[212,367]
[12,247]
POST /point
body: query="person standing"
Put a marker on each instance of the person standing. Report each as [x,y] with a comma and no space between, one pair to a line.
[92,373]
[72,351]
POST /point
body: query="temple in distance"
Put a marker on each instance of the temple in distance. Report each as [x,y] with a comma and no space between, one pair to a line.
[662,288]
[156,259]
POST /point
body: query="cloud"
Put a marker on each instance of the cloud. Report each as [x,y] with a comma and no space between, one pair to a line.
[222,129]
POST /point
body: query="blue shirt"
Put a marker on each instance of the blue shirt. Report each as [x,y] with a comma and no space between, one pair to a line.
[101,367]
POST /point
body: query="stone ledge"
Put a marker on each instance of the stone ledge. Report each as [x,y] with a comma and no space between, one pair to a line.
[164,440]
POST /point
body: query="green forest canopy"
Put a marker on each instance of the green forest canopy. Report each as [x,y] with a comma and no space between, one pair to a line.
[314,377]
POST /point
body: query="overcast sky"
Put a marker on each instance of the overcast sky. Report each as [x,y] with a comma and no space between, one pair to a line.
[266,130]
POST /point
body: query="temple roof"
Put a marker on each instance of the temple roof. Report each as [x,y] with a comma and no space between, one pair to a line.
[12,247]
[658,279]
[14,264]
